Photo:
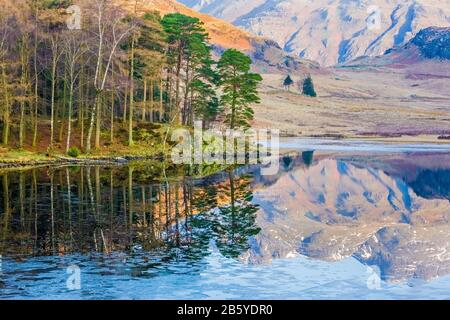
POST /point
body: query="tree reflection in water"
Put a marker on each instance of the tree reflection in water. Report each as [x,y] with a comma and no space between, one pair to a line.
[126,210]
[235,221]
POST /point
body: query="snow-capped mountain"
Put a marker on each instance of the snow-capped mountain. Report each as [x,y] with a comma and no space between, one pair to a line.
[331,31]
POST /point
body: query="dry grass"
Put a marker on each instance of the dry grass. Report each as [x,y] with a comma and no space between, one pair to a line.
[358,104]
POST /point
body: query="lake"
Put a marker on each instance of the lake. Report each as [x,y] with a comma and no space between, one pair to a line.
[334,223]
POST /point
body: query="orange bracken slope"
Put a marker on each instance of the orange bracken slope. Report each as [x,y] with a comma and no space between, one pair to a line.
[221,33]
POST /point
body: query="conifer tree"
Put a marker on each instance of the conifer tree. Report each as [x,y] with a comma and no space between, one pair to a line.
[239,87]
[308,87]
[288,82]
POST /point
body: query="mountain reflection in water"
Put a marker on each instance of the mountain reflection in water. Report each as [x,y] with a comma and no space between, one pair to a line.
[391,212]
[394,219]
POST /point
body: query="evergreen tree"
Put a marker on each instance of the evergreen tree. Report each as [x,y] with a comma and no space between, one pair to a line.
[202,100]
[308,87]
[288,82]
[239,87]
[185,35]
[200,97]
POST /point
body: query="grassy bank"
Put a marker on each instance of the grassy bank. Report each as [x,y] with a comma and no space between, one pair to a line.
[149,144]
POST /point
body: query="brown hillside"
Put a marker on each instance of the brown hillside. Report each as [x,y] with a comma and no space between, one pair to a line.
[222,34]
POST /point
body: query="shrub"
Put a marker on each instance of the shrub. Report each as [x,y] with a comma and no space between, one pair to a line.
[73,152]
[143,135]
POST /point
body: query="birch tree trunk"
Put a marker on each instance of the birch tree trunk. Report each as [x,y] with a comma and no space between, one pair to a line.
[69,121]
[144,104]
[36,78]
[130,113]
[6,108]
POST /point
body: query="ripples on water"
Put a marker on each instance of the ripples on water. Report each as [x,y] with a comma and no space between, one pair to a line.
[324,227]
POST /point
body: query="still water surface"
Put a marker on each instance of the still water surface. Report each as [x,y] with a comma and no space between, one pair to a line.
[327,226]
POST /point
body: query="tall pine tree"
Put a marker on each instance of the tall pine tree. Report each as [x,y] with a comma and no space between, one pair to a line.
[182,31]
[239,87]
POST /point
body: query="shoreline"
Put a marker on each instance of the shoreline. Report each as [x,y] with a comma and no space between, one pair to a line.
[112,160]
[401,139]
[36,159]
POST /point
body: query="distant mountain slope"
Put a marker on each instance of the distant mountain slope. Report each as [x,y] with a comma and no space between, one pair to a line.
[430,48]
[229,10]
[433,43]
[331,31]
[266,53]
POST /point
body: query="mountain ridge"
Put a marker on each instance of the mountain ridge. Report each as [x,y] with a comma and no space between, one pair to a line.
[430,47]
[331,31]
[222,33]
[266,53]
[433,42]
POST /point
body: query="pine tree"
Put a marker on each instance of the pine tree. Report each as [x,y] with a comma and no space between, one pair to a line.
[288,82]
[308,87]
[201,101]
[182,31]
[239,87]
